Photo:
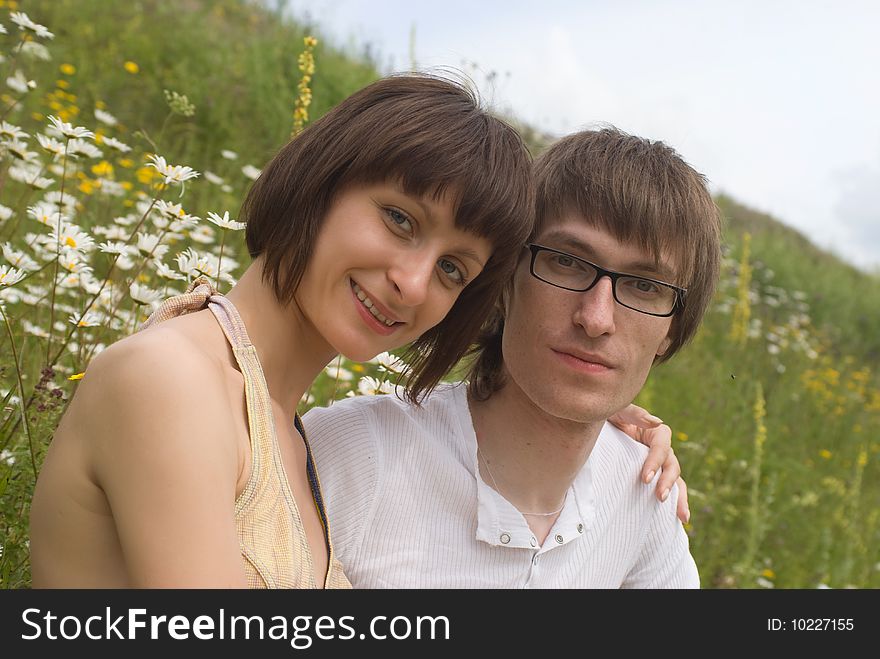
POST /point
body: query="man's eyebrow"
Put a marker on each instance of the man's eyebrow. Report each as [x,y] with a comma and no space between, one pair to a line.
[655,269]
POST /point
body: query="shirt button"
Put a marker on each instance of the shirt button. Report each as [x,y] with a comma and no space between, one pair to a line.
[580,528]
[505,538]
[533,542]
[559,539]
[535,559]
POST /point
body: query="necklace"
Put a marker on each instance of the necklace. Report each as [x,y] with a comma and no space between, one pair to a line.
[495,485]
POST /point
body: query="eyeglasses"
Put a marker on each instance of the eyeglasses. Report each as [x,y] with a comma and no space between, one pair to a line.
[648,296]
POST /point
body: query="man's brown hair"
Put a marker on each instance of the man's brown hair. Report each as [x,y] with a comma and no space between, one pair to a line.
[430,135]
[641,192]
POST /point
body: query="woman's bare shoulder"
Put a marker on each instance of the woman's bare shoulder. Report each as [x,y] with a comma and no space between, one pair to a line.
[154,385]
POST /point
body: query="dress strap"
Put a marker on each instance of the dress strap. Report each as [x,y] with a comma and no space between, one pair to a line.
[199,295]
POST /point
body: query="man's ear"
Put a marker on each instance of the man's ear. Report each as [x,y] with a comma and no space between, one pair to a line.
[664,346]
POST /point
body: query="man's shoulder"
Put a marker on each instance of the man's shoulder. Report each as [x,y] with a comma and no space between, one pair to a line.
[445,398]
[615,443]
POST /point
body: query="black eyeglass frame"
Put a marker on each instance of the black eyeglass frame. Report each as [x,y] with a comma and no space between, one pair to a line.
[680,293]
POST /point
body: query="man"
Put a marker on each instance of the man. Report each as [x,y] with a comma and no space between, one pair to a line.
[515,480]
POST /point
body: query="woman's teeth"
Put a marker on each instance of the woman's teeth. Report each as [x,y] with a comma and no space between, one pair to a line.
[369,305]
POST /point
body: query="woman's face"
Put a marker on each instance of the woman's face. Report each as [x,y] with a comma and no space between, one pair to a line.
[387,266]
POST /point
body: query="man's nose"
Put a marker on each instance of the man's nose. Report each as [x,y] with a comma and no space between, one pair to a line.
[595,311]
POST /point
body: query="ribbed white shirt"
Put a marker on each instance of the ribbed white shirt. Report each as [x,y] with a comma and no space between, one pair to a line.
[408,509]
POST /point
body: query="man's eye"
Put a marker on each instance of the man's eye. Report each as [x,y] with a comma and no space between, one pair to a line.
[565,261]
[644,286]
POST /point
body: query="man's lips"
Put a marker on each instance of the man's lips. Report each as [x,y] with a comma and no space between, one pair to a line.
[588,359]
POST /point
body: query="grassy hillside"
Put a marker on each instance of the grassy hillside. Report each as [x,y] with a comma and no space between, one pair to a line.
[775,406]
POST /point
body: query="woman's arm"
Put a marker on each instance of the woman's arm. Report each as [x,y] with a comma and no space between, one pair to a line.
[646,428]
[165,454]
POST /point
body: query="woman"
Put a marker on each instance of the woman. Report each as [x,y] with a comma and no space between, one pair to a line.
[394,219]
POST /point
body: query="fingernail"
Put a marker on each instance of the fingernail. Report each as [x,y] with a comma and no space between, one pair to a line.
[664,495]
[655,419]
[650,476]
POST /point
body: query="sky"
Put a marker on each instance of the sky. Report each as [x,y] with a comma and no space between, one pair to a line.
[777,102]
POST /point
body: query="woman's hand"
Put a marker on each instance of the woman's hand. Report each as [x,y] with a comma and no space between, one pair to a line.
[646,428]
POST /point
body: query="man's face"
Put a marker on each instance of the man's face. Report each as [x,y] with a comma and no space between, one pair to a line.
[582,356]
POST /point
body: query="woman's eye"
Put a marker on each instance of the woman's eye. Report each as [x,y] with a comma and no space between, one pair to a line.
[399,219]
[452,271]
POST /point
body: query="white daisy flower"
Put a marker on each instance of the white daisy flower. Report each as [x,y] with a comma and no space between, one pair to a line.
[251,172]
[149,245]
[229,155]
[23,172]
[67,130]
[73,262]
[24,23]
[19,83]
[67,200]
[12,132]
[3,29]
[166,208]
[183,223]
[370,386]
[125,220]
[34,330]
[10,276]
[72,237]
[167,273]
[19,259]
[7,457]
[90,319]
[79,147]
[337,372]
[36,50]
[144,295]
[172,173]
[115,144]
[5,213]
[193,264]
[46,214]
[105,118]
[211,177]
[40,183]
[52,145]
[114,247]
[388,362]
[203,234]
[224,222]
[110,188]
[19,150]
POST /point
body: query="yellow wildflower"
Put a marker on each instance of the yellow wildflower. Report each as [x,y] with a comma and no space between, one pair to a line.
[103,168]
[145,174]
[128,163]
[825,453]
[768,573]
[77,376]
[67,69]
[62,84]
[681,436]
[131,67]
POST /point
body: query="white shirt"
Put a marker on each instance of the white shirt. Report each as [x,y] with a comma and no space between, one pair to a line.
[408,509]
